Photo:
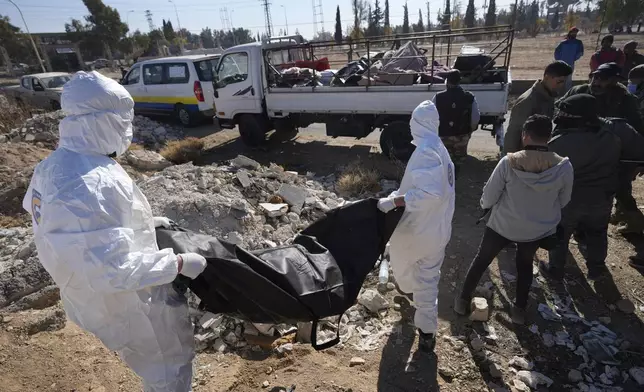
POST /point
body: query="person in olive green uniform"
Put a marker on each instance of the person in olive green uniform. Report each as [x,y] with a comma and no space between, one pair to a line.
[539,99]
[615,101]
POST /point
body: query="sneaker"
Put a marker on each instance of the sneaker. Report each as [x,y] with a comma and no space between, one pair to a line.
[598,272]
[551,272]
[636,262]
[461,306]
[518,315]
[426,342]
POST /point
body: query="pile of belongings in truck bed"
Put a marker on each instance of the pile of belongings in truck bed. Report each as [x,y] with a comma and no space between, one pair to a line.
[405,66]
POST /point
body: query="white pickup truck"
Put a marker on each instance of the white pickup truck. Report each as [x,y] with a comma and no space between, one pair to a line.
[39,90]
[248,93]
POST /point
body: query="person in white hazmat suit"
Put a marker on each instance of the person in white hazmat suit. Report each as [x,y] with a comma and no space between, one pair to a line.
[95,235]
[417,246]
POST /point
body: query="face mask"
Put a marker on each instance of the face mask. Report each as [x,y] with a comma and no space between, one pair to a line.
[632,87]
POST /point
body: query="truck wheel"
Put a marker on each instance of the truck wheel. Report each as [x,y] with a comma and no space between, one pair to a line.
[395,141]
[183,115]
[252,129]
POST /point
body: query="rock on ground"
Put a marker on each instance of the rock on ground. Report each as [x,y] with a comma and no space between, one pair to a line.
[480,309]
[146,160]
[372,300]
[638,374]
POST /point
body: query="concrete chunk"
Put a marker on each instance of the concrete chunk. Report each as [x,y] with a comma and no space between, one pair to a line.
[293,195]
[244,179]
[274,210]
[373,301]
[245,162]
[480,309]
[146,160]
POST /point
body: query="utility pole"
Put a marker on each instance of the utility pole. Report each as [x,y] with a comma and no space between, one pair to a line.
[33,44]
[285,19]
[267,18]
[429,20]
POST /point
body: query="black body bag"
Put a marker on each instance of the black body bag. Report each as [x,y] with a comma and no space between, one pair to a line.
[318,276]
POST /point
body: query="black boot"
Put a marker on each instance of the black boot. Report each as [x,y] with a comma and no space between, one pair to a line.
[551,272]
[426,342]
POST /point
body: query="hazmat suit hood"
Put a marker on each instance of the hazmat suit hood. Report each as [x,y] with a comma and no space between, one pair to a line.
[424,122]
[99,114]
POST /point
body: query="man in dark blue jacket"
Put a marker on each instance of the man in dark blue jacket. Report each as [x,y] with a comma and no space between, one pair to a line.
[570,50]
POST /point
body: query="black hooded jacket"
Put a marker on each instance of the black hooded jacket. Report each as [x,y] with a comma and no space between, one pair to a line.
[595,149]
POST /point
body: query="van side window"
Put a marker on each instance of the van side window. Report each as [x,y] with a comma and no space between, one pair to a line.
[134,76]
[153,74]
[177,73]
[25,83]
[233,68]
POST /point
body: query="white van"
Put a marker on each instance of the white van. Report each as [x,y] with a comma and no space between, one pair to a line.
[176,86]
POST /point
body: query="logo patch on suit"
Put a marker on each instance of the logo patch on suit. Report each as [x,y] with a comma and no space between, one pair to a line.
[35,205]
[450,175]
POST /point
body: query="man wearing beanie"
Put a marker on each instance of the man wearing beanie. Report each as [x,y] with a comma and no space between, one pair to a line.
[594,146]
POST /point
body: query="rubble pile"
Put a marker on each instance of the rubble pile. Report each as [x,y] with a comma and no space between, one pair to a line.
[42,129]
[243,203]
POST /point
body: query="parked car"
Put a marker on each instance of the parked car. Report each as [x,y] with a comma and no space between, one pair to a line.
[101,63]
[40,90]
[174,86]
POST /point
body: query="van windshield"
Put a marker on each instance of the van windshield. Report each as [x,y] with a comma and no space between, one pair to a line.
[206,69]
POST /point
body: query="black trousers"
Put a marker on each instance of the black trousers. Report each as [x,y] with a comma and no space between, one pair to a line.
[591,219]
[625,202]
[491,244]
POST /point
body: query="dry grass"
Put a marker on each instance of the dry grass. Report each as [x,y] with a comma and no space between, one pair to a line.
[356,180]
[183,151]
[135,146]
[14,220]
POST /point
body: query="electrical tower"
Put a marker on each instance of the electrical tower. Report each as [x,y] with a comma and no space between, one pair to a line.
[267,16]
[148,16]
[225,19]
[318,16]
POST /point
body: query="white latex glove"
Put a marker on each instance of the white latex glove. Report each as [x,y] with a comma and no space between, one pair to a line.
[386,204]
[193,265]
[162,221]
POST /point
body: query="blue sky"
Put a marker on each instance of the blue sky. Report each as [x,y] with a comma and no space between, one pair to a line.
[51,15]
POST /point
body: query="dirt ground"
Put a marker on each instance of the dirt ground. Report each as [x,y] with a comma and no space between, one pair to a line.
[71,360]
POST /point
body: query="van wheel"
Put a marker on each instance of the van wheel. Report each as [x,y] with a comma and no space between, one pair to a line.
[184,116]
[395,141]
[252,129]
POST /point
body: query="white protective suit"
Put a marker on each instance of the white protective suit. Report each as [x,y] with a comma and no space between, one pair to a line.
[419,241]
[95,236]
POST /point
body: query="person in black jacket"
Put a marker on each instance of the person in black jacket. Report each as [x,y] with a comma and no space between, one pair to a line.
[594,146]
[459,117]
